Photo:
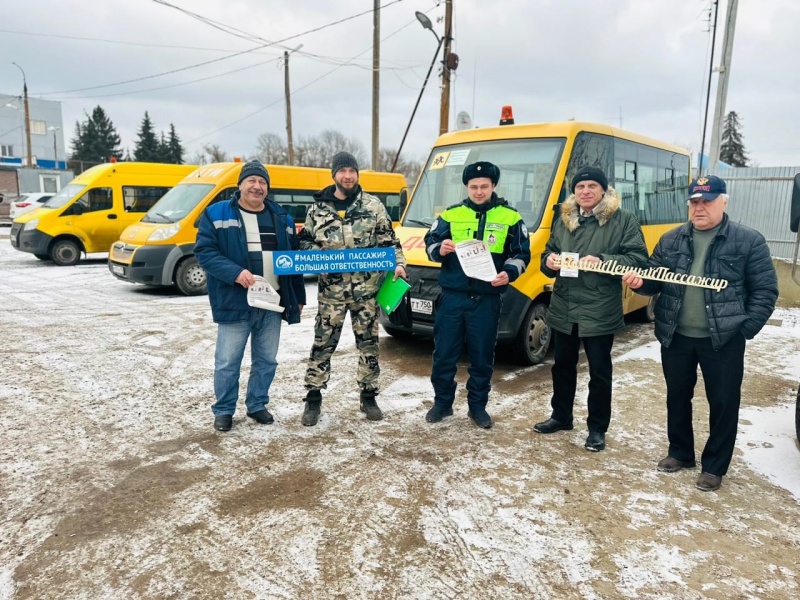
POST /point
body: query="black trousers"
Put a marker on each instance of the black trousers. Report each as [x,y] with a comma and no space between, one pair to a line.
[723,371]
[565,377]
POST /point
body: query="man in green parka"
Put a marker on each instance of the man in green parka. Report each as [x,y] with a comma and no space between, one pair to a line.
[588,308]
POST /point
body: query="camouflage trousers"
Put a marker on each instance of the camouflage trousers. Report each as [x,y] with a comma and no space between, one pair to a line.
[327,331]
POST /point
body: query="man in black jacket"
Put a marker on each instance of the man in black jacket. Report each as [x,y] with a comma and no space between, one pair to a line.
[708,327]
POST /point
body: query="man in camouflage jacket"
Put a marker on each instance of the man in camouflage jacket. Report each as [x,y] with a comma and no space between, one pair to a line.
[343,217]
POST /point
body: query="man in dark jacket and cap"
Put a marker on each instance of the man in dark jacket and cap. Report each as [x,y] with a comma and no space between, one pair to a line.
[235,242]
[708,327]
[469,308]
[587,308]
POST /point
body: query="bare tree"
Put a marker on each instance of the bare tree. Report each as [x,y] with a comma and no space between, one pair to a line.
[319,150]
[410,168]
[271,149]
[215,153]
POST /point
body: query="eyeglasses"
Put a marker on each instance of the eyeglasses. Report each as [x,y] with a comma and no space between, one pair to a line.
[698,201]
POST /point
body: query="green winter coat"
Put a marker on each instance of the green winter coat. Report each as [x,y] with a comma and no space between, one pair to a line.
[592,300]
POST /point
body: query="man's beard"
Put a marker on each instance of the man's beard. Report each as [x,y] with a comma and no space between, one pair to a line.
[344,191]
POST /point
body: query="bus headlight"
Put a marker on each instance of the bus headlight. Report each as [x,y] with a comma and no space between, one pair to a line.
[164,233]
[31,225]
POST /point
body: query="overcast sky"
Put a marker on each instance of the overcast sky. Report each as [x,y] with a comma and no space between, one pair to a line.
[642,63]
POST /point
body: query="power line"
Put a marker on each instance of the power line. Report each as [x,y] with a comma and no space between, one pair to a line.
[119,42]
[318,57]
[208,62]
[310,83]
[174,85]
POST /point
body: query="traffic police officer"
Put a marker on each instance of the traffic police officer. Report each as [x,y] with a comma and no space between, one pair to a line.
[469,309]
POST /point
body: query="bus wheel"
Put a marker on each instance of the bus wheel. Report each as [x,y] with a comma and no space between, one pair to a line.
[65,253]
[534,336]
[190,278]
[647,314]
[398,333]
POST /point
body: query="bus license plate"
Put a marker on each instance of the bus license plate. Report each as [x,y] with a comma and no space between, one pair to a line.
[424,307]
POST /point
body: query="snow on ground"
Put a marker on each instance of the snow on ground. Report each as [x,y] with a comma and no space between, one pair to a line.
[113,483]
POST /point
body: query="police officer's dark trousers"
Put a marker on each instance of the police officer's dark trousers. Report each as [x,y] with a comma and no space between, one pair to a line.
[461,318]
[723,371]
[565,377]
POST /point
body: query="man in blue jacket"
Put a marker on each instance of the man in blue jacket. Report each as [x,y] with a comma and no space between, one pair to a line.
[469,308]
[708,327]
[234,245]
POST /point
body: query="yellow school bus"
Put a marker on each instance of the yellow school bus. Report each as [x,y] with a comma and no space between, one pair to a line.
[536,163]
[90,213]
[159,250]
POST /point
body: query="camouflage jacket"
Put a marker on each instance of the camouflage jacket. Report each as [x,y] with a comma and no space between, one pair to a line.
[366,224]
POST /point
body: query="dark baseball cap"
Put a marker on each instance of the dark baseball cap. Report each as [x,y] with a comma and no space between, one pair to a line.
[707,188]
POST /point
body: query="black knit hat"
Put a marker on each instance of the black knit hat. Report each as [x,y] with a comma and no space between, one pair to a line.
[252,168]
[481,169]
[589,174]
[343,160]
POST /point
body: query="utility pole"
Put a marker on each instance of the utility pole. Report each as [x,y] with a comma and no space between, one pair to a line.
[708,89]
[722,83]
[289,142]
[27,115]
[376,82]
[447,65]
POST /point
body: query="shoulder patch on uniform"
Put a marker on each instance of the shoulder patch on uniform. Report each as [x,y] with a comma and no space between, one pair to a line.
[524,230]
[434,224]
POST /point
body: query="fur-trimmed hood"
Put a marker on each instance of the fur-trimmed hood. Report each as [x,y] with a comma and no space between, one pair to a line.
[570,211]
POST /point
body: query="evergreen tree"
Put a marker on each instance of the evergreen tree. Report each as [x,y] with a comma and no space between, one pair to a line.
[96,139]
[163,149]
[731,150]
[174,151]
[147,148]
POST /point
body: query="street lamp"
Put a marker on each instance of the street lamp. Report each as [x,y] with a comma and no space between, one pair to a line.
[426,23]
[27,114]
[55,145]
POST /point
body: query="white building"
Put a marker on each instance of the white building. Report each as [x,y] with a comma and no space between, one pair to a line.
[48,149]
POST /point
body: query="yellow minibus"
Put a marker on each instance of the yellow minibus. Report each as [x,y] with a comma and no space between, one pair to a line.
[90,213]
[536,163]
[159,250]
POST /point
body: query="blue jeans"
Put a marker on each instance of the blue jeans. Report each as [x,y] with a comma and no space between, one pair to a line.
[263,327]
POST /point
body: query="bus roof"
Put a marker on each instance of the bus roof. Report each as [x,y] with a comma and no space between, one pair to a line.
[545,130]
[296,177]
[132,168]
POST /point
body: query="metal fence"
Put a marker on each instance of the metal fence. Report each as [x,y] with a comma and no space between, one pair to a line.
[761,199]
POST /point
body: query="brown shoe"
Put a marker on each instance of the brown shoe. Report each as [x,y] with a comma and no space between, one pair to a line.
[673,465]
[708,482]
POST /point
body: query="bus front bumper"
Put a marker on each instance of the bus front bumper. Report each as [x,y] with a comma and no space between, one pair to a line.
[140,264]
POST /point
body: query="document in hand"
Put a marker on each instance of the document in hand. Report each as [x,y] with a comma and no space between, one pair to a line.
[392,292]
[262,295]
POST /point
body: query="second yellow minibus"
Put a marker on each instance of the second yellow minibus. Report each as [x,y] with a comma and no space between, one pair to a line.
[536,161]
[159,250]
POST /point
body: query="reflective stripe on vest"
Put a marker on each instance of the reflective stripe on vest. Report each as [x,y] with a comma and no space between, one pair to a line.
[465,223]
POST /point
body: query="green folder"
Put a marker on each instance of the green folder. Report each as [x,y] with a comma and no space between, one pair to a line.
[392,292]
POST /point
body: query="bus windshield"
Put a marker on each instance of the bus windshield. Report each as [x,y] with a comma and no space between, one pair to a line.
[177,203]
[527,169]
[66,194]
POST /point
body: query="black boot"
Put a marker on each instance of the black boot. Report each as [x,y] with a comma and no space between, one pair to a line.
[479,416]
[438,412]
[369,406]
[313,407]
